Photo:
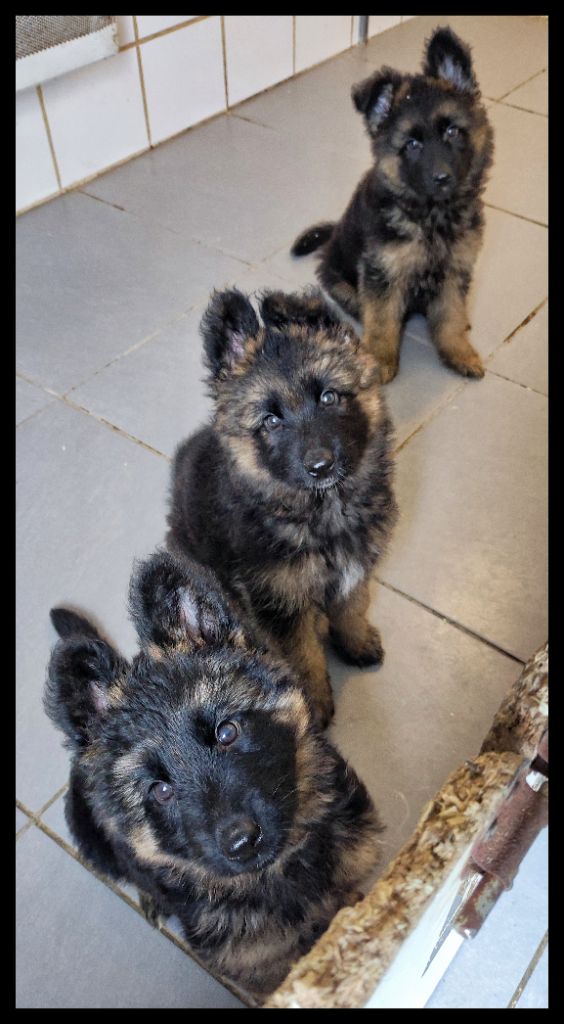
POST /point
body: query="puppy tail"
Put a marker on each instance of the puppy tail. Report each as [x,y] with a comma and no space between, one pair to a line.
[68,623]
[312,239]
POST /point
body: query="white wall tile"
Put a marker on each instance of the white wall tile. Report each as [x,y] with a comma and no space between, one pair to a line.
[259,52]
[320,36]
[380,22]
[183,74]
[408,17]
[125,29]
[96,116]
[149,23]
[35,173]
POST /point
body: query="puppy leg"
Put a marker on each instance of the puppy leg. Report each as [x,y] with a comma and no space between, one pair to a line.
[382,319]
[302,646]
[355,640]
[448,321]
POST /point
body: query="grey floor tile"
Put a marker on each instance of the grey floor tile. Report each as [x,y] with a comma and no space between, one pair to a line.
[168,373]
[532,95]
[487,969]
[269,189]
[88,502]
[524,358]
[92,281]
[522,40]
[535,994]
[429,706]
[29,399]
[519,181]
[471,541]
[92,950]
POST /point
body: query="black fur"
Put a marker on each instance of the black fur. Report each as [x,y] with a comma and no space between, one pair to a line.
[140,728]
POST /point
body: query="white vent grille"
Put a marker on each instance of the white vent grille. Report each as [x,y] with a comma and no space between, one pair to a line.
[48,45]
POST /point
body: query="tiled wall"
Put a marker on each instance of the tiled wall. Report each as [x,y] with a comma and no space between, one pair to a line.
[171,72]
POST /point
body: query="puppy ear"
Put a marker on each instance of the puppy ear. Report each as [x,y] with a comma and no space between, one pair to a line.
[374,97]
[307,308]
[447,57]
[176,603]
[82,670]
[228,321]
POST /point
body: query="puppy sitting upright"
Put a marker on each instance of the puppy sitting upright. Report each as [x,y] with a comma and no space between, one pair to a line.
[409,238]
[198,776]
[287,495]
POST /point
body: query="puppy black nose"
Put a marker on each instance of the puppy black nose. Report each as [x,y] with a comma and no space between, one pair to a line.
[441,178]
[240,839]
[319,462]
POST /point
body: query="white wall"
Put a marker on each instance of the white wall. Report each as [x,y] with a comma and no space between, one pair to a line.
[171,72]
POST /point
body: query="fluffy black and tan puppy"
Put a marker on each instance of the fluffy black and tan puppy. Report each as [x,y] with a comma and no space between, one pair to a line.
[408,240]
[287,494]
[198,775]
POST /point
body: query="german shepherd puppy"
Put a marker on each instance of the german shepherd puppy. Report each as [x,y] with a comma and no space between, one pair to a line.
[287,494]
[198,775]
[408,240]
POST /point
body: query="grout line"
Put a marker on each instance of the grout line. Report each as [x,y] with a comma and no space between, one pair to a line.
[140,40]
[41,99]
[438,409]
[521,84]
[451,622]
[142,80]
[52,800]
[520,216]
[525,110]
[115,888]
[523,323]
[100,200]
[526,387]
[112,426]
[527,975]
[224,57]
[27,825]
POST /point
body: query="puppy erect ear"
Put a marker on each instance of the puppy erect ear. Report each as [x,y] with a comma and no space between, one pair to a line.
[227,322]
[82,670]
[175,603]
[447,57]
[374,97]
[307,308]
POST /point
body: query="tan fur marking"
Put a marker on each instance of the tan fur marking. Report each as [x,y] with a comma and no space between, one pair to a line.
[244,453]
[448,322]
[155,652]
[381,322]
[303,649]
[350,625]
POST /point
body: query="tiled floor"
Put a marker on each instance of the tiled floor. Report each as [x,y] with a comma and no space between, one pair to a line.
[111,282]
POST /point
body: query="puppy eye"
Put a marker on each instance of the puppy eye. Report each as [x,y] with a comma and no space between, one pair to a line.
[329,397]
[272,422]
[162,792]
[413,144]
[227,733]
[452,132]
